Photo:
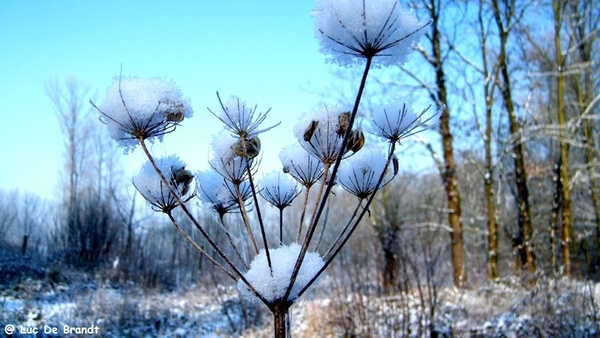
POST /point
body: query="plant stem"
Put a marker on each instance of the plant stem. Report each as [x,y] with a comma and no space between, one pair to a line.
[244,214]
[198,247]
[303,214]
[355,225]
[331,182]
[280,226]
[237,275]
[259,217]
[281,319]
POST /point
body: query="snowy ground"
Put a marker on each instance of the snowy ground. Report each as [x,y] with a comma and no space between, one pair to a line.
[553,308]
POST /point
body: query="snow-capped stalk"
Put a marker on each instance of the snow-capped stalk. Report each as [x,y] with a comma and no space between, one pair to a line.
[244,213]
[281,226]
[331,182]
[355,225]
[303,214]
[233,245]
[236,274]
[198,247]
[259,216]
[341,235]
[281,319]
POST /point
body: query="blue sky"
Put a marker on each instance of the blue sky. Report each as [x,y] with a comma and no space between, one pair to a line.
[265,52]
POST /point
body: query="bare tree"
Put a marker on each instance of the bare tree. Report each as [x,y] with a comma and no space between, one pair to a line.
[92,206]
[582,19]
[565,191]
[505,15]
[435,57]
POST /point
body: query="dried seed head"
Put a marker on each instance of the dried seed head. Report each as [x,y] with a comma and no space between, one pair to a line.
[175,116]
[356,140]
[182,176]
[396,165]
[309,132]
[247,148]
[174,112]
[343,121]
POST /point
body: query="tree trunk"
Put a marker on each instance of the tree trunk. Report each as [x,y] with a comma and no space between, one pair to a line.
[24,245]
[518,149]
[488,92]
[449,174]
[563,146]
[582,21]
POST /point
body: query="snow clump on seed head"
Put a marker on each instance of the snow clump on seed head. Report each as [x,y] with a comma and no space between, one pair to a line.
[136,109]
[272,285]
[156,192]
[351,30]
[395,122]
[360,173]
[278,189]
[302,166]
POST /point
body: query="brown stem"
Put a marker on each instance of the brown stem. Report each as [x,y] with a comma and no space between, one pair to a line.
[198,247]
[214,246]
[331,182]
[244,213]
[281,319]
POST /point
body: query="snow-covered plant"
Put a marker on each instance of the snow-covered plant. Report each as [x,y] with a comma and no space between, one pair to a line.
[277,267]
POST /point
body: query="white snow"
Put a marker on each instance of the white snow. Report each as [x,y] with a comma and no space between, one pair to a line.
[301,165]
[350,30]
[359,174]
[133,105]
[149,184]
[272,283]
[278,189]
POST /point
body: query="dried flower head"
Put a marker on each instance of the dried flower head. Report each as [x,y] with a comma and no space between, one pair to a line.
[247,148]
[228,158]
[394,124]
[219,193]
[156,192]
[359,174]
[137,109]
[321,133]
[278,189]
[304,168]
[356,140]
[241,120]
[358,29]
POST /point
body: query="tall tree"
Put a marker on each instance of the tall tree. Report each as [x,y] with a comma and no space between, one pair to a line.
[435,55]
[504,16]
[565,191]
[488,69]
[69,102]
[582,18]
[440,96]
[92,218]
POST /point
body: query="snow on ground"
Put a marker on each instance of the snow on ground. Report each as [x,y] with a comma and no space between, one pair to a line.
[505,308]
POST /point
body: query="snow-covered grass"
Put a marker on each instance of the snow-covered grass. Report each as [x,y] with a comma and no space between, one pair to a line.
[131,311]
[504,308]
